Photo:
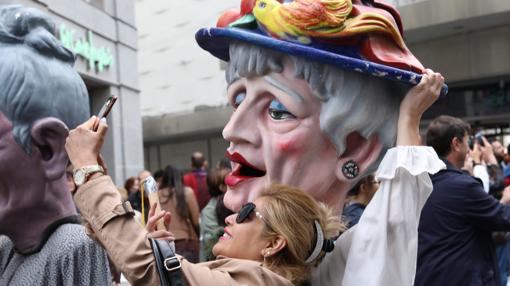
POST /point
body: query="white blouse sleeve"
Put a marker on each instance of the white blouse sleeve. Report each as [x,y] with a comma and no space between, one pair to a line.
[382,248]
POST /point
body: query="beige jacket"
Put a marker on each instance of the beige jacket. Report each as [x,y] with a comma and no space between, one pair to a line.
[126,243]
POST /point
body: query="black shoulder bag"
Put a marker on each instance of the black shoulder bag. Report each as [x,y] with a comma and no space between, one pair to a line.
[169,265]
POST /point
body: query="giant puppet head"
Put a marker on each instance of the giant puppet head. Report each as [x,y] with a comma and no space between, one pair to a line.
[316,87]
[40,97]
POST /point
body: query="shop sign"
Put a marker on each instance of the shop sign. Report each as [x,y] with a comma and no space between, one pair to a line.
[97,57]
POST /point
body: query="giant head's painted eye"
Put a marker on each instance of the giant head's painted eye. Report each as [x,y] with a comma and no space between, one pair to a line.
[238,99]
[278,112]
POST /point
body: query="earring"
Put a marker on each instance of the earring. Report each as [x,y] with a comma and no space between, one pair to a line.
[350,169]
[266,256]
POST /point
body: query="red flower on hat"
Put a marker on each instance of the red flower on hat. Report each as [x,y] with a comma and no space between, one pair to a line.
[232,15]
[247,6]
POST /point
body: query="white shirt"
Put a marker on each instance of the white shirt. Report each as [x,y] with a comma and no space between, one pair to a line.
[382,248]
[480,171]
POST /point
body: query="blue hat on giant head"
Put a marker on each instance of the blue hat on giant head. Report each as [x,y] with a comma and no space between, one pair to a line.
[359,35]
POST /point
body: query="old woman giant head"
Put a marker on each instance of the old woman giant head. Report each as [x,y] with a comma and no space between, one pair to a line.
[316,87]
[41,96]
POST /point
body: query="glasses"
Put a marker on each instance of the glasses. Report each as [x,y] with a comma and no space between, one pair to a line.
[246,211]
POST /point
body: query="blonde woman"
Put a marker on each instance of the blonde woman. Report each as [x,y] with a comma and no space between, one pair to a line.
[281,235]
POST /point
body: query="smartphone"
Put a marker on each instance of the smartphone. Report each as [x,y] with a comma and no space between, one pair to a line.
[479,138]
[105,110]
[471,142]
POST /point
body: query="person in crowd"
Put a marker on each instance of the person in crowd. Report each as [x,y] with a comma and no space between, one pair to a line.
[132,185]
[506,170]
[478,161]
[211,228]
[455,244]
[494,168]
[180,200]
[143,174]
[225,164]
[484,160]
[499,152]
[358,198]
[497,185]
[196,179]
[41,239]
[158,177]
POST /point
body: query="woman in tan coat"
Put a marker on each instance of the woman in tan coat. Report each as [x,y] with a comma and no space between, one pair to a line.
[275,240]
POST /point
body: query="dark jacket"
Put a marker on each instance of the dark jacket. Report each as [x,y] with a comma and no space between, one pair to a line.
[352,213]
[455,246]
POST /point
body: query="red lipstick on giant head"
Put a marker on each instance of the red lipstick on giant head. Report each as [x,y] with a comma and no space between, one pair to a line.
[242,172]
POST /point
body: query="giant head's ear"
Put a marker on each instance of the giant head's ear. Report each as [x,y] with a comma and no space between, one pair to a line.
[49,137]
[362,151]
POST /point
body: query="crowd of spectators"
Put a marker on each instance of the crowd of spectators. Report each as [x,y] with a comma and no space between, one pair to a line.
[464,230]
[194,199]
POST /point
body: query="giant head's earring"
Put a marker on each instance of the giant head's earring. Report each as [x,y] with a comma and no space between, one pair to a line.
[350,169]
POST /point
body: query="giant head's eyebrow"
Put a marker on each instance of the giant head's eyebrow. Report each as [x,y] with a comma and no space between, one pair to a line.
[281,86]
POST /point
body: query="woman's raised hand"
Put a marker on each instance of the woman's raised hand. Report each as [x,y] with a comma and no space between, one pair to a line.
[83,145]
[417,100]
[164,234]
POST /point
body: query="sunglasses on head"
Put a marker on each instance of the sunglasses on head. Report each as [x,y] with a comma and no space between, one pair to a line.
[245,213]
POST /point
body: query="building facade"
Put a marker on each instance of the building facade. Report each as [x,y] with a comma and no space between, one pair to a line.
[184,106]
[468,41]
[103,35]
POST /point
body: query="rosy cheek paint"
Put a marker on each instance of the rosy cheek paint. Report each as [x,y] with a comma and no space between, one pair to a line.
[287,146]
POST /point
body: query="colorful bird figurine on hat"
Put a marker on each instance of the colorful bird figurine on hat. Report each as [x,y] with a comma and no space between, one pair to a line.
[301,19]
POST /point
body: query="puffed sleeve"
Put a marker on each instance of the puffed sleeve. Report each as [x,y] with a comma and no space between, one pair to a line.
[382,248]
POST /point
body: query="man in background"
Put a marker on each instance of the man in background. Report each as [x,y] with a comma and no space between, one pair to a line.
[197,179]
[455,245]
[499,152]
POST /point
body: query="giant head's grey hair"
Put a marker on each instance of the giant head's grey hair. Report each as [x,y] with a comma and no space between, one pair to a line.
[350,101]
[36,74]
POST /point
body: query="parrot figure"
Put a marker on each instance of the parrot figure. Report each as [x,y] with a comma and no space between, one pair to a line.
[302,20]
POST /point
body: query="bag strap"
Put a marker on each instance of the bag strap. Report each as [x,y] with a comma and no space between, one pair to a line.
[169,265]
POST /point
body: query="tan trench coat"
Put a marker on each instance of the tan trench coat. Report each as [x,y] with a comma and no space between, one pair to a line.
[127,244]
